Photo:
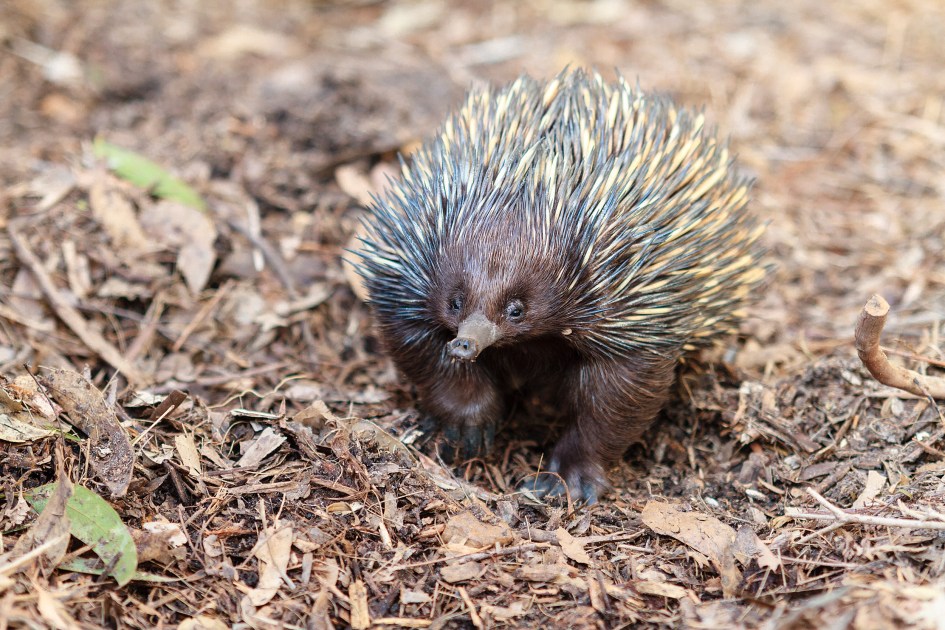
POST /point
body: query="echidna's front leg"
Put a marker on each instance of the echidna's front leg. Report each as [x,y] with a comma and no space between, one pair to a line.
[612,403]
[467,404]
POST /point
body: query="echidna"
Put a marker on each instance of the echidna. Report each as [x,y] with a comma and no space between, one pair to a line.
[574,233]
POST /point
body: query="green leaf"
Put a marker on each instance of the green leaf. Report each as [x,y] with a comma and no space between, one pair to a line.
[98,525]
[142,172]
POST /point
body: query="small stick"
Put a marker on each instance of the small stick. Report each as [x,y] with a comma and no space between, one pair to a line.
[915,357]
[869,327]
[842,516]
[473,614]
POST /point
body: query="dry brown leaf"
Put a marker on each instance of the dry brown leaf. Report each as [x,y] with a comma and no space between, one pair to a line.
[702,532]
[355,183]
[550,573]
[212,546]
[466,529]
[161,541]
[661,589]
[189,456]
[875,482]
[77,270]
[596,594]
[25,303]
[572,547]
[246,39]
[315,415]
[195,261]
[115,213]
[503,613]
[190,232]
[461,572]
[264,444]
[355,245]
[52,184]
[747,545]
[273,551]
[110,451]
[12,429]
[413,597]
[53,524]
[320,617]
[202,622]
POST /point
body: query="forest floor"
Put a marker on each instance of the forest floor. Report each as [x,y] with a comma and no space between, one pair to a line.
[257,462]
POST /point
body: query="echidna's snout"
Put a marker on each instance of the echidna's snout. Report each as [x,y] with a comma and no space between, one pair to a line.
[475,334]
[463,349]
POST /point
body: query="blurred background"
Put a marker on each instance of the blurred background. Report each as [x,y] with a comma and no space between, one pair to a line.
[836,108]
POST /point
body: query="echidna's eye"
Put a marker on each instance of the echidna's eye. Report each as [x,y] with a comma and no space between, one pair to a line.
[456,303]
[515,310]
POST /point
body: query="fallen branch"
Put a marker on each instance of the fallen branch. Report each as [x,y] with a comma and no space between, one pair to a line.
[842,516]
[869,327]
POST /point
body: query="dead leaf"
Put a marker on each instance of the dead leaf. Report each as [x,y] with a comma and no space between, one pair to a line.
[212,546]
[25,302]
[355,183]
[189,457]
[52,185]
[53,611]
[413,597]
[550,573]
[875,482]
[660,589]
[748,546]
[161,541]
[115,213]
[503,613]
[202,622]
[466,529]
[596,593]
[77,270]
[195,261]
[572,547]
[52,524]
[110,451]
[273,551]
[188,230]
[703,532]
[315,415]
[461,572]
[13,430]
[246,39]
[264,444]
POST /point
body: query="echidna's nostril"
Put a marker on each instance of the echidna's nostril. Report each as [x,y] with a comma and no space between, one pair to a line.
[463,349]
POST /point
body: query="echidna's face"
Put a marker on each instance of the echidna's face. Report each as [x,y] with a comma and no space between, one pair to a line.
[495,298]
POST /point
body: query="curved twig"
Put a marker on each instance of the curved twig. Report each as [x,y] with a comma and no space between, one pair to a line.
[869,327]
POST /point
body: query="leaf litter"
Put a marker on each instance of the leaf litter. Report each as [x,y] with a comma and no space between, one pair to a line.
[211,389]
